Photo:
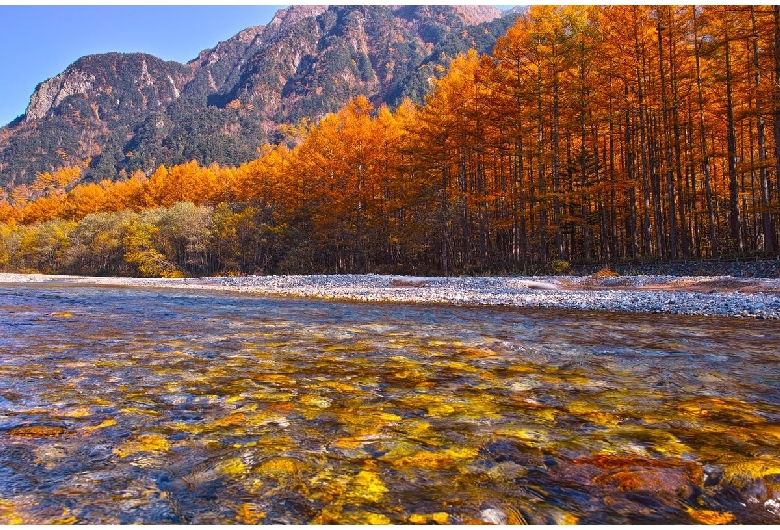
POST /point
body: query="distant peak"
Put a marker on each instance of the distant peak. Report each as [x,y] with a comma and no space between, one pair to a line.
[246,36]
[295,13]
[478,14]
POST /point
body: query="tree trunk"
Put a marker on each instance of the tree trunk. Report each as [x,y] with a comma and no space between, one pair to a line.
[776,11]
[445,236]
[681,191]
[766,216]
[705,159]
[542,186]
[735,217]
[555,140]
[646,230]
[630,173]
[668,148]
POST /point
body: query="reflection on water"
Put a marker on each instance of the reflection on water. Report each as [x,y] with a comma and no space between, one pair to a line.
[152,406]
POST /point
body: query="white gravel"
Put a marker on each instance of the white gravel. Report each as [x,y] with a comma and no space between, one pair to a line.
[635,294]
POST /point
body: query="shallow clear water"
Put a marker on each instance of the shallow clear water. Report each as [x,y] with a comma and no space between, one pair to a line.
[160,406]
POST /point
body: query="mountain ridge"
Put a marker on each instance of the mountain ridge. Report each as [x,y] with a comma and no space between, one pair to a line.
[126,112]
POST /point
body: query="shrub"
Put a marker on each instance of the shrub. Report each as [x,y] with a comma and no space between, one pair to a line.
[560,266]
[606,272]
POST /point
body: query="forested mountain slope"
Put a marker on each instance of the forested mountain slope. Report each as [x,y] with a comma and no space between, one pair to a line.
[126,112]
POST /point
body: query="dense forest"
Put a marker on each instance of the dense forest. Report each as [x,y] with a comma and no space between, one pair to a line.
[590,135]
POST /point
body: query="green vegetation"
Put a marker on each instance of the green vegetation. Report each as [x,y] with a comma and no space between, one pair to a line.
[159,242]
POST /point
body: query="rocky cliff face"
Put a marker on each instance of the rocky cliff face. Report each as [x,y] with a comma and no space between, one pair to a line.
[134,111]
[112,83]
[473,15]
[50,93]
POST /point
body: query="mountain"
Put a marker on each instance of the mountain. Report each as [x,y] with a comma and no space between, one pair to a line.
[128,112]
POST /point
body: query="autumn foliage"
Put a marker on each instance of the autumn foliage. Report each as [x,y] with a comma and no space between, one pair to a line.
[592,134]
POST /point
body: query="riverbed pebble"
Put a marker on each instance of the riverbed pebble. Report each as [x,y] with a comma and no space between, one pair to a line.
[613,294]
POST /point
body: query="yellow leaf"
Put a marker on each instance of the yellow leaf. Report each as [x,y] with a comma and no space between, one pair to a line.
[231,419]
[341,387]
[477,353]
[368,486]
[435,460]
[326,486]
[144,442]
[421,400]
[249,513]
[523,369]
[751,469]
[456,366]
[579,380]
[78,412]
[276,378]
[35,431]
[329,515]
[65,520]
[545,414]
[8,514]
[280,466]
[233,466]
[592,413]
[581,407]
[264,418]
[353,442]
[417,427]
[106,423]
[274,395]
[133,410]
[336,515]
[439,343]
[316,401]
[438,518]
[374,518]
[710,516]
[567,519]
[527,434]
[769,430]
[442,409]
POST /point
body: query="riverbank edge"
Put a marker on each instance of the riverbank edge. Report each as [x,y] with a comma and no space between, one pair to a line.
[684,295]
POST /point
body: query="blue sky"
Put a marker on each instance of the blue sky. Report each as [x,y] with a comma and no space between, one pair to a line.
[38,42]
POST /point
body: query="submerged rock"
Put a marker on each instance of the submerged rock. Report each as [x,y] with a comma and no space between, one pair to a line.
[37,431]
[493,516]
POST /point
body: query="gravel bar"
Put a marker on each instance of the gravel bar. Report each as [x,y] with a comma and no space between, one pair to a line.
[687,295]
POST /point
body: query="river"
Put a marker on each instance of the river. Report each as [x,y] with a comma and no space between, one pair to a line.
[127,405]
